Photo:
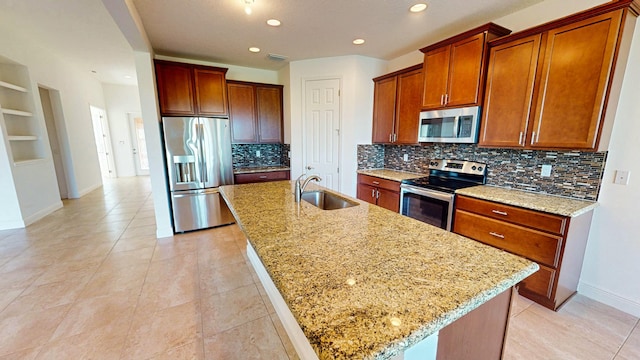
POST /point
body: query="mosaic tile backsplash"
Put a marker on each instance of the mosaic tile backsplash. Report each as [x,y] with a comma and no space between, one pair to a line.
[244,155]
[574,174]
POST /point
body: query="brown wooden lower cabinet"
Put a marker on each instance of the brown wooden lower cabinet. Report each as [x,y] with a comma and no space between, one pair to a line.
[378,191]
[556,243]
[261,177]
[480,334]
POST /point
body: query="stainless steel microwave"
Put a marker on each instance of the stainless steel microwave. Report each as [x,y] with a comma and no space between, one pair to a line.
[459,125]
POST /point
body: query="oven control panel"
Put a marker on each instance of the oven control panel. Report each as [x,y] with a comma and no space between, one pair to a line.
[460,166]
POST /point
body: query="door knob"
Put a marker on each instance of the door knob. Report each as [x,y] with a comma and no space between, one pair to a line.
[309,167]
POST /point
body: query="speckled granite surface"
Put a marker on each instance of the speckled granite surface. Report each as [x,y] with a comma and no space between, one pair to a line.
[257,169]
[349,275]
[394,175]
[535,201]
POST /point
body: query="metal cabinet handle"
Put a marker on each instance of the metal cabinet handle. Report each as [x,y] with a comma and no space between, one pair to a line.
[442,99]
[376,182]
[390,137]
[446,99]
[263,176]
[533,137]
[520,142]
[373,193]
[503,213]
[377,194]
[496,235]
[395,137]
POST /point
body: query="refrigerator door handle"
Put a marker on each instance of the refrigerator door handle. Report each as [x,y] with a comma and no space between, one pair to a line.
[203,160]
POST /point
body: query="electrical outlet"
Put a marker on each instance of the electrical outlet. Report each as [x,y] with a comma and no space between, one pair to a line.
[622,177]
[405,157]
[546,171]
[257,153]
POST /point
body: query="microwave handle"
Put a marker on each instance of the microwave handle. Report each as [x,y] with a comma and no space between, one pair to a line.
[456,126]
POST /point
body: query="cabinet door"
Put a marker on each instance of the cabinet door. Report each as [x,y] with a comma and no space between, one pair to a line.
[575,77]
[175,89]
[465,69]
[242,113]
[436,73]
[389,199]
[384,109]
[269,109]
[367,193]
[509,91]
[211,92]
[408,107]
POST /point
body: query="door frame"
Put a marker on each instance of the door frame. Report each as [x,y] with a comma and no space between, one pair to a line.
[58,122]
[104,127]
[131,116]
[305,80]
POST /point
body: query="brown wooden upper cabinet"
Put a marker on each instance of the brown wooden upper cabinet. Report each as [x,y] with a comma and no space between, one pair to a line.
[396,106]
[453,68]
[255,111]
[547,87]
[185,89]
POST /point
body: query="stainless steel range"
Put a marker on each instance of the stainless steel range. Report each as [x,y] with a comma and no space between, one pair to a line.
[430,199]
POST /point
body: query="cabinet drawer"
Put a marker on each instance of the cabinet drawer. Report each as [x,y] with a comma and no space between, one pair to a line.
[261,177]
[540,282]
[535,245]
[534,219]
[379,182]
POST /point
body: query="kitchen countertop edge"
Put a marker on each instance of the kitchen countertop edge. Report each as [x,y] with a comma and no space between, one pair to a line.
[390,174]
[259,169]
[548,203]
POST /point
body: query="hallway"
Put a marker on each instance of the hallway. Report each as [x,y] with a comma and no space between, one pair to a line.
[91,281]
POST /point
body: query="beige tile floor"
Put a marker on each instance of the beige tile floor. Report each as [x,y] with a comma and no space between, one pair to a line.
[91,281]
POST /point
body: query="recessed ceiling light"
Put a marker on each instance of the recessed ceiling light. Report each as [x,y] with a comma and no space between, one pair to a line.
[128,76]
[254,49]
[358,41]
[273,22]
[418,7]
[93,71]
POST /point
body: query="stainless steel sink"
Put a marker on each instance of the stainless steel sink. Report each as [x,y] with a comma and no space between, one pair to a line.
[326,200]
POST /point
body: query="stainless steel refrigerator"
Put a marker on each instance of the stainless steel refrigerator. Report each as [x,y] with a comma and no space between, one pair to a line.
[198,154]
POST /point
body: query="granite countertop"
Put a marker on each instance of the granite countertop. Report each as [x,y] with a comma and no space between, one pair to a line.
[530,200]
[258,169]
[389,174]
[364,282]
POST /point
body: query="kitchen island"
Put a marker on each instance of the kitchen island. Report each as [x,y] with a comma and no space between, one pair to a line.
[364,282]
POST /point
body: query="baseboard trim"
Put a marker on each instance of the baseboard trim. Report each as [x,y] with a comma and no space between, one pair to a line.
[42,213]
[10,225]
[85,191]
[164,232]
[623,304]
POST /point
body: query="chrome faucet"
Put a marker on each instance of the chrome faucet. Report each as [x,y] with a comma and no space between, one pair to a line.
[300,188]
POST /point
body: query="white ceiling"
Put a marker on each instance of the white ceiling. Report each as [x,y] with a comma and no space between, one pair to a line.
[83,32]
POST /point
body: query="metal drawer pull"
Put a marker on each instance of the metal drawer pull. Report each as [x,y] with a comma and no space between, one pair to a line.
[496,235]
[504,213]
[376,182]
[263,176]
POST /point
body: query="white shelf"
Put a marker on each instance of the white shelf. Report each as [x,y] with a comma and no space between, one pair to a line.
[16,112]
[22,137]
[12,86]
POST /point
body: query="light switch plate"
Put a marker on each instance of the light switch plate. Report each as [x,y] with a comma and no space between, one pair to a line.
[257,153]
[622,177]
[546,171]
[405,157]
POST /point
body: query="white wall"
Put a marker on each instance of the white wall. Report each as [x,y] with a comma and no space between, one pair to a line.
[77,91]
[121,101]
[611,262]
[356,74]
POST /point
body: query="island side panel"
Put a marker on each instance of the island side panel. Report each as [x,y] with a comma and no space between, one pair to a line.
[479,335]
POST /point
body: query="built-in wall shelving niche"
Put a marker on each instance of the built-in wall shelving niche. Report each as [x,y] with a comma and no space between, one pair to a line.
[23,130]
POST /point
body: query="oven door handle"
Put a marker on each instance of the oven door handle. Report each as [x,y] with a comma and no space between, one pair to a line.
[425,192]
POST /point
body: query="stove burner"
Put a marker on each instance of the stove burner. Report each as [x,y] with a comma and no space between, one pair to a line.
[450,175]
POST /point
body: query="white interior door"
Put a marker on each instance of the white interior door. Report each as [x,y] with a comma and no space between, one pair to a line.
[138,143]
[103,142]
[52,134]
[321,132]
